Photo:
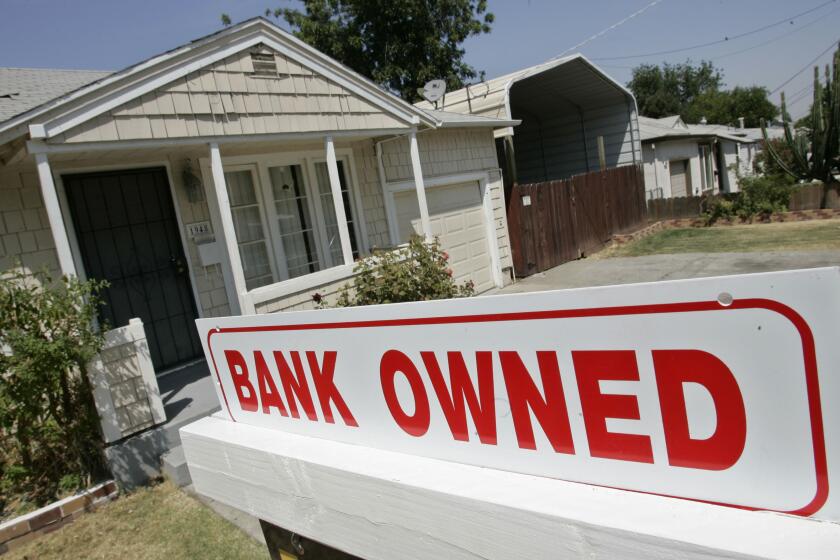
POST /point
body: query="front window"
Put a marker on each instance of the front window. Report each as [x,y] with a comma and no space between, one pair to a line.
[294,222]
[707,173]
[325,193]
[248,224]
[285,221]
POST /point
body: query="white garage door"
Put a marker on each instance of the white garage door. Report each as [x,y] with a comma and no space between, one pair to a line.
[457,218]
[679,181]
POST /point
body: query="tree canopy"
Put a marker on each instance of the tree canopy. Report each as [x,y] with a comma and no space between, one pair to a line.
[696,91]
[399,45]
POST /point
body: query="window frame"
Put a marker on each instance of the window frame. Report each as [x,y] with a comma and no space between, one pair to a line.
[279,252]
[353,196]
[260,164]
[258,195]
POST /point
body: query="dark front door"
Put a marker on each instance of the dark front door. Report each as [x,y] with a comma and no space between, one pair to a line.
[128,235]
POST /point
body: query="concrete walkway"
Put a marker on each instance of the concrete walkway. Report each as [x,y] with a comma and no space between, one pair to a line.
[653,268]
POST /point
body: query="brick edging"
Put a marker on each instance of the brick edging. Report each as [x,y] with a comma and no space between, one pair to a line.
[22,529]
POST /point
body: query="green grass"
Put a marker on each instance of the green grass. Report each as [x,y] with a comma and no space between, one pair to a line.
[156,522]
[813,235]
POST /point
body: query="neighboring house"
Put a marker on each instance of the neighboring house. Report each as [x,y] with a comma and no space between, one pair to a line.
[240,173]
[575,119]
[690,160]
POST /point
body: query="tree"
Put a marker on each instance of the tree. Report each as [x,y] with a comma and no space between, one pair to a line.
[725,107]
[669,89]
[399,45]
[695,91]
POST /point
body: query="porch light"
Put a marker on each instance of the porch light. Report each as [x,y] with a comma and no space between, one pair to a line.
[195,192]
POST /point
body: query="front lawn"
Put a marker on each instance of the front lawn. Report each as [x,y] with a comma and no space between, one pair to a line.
[813,235]
[152,523]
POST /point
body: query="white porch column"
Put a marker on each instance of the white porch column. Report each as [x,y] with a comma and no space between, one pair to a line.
[59,232]
[425,222]
[220,188]
[338,202]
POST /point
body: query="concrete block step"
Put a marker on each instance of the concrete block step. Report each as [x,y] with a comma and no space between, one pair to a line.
[174,467]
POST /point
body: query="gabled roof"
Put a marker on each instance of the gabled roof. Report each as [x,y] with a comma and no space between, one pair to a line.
[491,97]
[71,108]
[22,89]
[672,121]
[672,127]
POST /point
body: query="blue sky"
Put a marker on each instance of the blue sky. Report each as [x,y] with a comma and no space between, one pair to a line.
[112,34]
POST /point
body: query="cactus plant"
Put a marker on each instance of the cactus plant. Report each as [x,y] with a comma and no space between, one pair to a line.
[815,152]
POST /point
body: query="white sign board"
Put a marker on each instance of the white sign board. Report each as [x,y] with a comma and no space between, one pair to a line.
[723,390]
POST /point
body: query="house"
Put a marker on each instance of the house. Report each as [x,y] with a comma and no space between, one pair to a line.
[575,119]
[237,174]
[694,159]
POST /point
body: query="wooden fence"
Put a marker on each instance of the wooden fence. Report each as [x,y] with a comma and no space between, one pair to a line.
[558,221]
[673,208]
[803,197]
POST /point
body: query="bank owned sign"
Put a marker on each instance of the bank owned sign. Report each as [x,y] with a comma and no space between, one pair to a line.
[724,390]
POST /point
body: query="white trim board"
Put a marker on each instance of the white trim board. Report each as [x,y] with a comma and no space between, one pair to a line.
[38,146]
[384,505]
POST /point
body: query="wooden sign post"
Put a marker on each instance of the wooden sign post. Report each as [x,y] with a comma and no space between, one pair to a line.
[398,429]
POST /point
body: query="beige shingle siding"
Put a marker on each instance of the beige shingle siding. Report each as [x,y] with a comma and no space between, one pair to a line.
[227,99]
[25,236]
[370,189]
[209,281]
[442,152]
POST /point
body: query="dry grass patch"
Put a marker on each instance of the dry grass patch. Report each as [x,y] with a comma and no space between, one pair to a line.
[815,235]
[155,522]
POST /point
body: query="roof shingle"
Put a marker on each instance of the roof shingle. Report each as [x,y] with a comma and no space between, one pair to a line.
[22,89]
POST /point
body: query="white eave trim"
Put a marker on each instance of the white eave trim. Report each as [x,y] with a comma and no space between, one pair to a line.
[38,146]
[476,124]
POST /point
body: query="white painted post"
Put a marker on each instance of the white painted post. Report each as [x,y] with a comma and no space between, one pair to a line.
[425,221]
[338,202]
[220,188]
[59,233]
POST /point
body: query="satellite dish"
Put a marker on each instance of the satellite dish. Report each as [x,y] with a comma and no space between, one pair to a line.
[433,90]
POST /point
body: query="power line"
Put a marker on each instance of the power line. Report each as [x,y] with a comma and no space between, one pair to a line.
[803,96]
[807,87]
[773,40]
[610,28]
[816,58]
[719,41]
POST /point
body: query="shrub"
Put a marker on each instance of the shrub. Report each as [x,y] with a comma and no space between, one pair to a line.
[417,272]
[758,196]
[49,428]
[717,208]
[762,196]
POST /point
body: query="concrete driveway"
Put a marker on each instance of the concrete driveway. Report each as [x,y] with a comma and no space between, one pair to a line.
[652,268]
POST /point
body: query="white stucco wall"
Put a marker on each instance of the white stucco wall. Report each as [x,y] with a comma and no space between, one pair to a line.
[657,157]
